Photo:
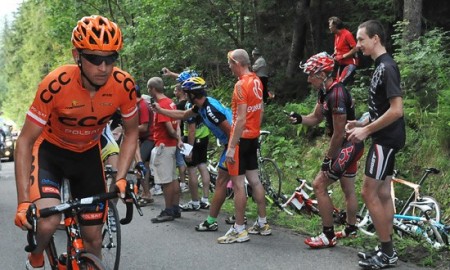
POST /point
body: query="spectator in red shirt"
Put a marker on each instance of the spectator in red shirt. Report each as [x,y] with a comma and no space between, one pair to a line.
[344,50]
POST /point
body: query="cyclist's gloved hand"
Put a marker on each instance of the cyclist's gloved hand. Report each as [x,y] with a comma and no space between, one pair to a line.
[295,118]
[21,216]
[121,185]
[141,168]
[326,164]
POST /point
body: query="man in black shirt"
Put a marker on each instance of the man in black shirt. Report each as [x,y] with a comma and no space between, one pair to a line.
[386,127]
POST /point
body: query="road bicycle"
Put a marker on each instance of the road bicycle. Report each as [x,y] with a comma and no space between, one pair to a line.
[302,201]
[76,257]
[416,210]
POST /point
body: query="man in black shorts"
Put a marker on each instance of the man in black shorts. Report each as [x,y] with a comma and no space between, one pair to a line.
[386,126]
[335,106]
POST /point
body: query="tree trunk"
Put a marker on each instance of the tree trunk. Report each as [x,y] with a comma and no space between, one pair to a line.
[298,37]
[412,13]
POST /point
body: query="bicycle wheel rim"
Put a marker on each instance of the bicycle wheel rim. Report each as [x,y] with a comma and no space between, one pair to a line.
[270,177]
[111,241]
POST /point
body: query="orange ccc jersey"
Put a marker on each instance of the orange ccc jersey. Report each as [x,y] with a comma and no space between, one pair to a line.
[69,116]
[248,90]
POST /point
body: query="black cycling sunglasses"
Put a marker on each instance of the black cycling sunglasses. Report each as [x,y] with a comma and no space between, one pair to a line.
[99,59]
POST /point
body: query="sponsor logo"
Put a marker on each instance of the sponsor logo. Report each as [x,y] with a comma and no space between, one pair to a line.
[46,189]
[254,108]
[257,89]
[91,216]
[75,105]
[54,87]
[48,182]
[82,132]
[211,115]
[372,163]
[88,121]
[127,83]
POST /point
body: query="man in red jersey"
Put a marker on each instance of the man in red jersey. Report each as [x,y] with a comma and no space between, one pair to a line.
[166,134]
[247,108]
[344,50]
[62,130]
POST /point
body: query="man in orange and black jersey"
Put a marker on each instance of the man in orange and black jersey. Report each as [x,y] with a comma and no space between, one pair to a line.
[247,109]
[62,131]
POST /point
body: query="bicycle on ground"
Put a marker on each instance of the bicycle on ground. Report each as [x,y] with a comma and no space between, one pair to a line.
[302,201]
[76,257]
[420,215]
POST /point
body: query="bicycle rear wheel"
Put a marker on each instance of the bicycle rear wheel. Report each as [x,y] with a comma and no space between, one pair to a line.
[88,261]
[434,214]
[270,176]
[111,239]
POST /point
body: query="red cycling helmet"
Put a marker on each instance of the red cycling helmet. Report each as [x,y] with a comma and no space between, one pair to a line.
[317,63]
[97,33]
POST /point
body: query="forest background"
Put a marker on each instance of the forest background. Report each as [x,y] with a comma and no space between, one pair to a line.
[199,33]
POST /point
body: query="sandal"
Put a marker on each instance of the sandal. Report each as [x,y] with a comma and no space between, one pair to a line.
[145,201]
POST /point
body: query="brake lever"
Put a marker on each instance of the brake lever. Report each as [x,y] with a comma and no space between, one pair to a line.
[31,234]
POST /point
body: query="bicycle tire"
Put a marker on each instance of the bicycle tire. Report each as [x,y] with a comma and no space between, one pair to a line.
[88,261]
[270,177]
[111,239]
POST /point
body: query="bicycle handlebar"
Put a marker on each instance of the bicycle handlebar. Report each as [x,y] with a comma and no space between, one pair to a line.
[33,214]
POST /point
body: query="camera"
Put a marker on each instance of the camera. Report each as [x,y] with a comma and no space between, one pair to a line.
[152,100]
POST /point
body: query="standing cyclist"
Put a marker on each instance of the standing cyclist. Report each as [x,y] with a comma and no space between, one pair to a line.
[386,127]
[62,131]
[335,106]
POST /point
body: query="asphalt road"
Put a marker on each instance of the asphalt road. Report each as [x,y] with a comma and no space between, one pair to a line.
[176,245]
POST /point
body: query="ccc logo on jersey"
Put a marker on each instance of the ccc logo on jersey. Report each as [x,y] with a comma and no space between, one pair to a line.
[54,87]
[127,82]
[88,121]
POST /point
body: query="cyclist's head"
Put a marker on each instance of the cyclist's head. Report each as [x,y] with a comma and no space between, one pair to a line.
[195,87]
[186,75]
[97,33]
[321,62]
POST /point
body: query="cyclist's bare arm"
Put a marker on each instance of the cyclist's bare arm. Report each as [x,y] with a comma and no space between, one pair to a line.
[168,73]
[339,121]
[128,147]
[176,114]
[313,118]
[394,112]
[23,152]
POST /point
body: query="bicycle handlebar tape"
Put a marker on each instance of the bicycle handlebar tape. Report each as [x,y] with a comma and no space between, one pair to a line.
[31,234]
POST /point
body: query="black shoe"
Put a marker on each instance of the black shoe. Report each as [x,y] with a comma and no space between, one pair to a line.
[379,261]
[368,254]
[177,214]
[163,217]
[232,219]
[205,226]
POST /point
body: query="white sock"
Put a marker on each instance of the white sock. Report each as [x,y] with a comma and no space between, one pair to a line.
[204,200]
[262,221]
[239,228]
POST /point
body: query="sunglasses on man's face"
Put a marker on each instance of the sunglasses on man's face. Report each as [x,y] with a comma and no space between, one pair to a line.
[99,59]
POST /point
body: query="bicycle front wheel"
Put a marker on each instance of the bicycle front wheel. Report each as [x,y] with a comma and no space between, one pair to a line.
[270,176]
[88,261]
[111,239]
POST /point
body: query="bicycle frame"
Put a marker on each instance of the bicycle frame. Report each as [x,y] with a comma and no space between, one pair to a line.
[75,247]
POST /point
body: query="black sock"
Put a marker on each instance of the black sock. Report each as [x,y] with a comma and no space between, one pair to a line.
[387,248]
[329,232]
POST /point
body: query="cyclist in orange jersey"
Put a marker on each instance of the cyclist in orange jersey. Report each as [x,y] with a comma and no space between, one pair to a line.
[247,108]
[62,130]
